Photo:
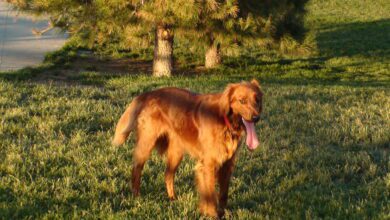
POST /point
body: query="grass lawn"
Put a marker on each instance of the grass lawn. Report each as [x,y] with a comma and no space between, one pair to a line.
[325,132]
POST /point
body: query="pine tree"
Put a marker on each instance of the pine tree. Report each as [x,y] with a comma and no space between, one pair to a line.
[223,23]
[213,28]
[140,23]
[275,18]
[164,16]
[218,24]
[125,22]
[270,23]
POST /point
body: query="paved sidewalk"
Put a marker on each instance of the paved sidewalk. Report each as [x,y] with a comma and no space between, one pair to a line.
[18,46]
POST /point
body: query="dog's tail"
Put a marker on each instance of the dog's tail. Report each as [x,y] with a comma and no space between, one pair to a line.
[127,122]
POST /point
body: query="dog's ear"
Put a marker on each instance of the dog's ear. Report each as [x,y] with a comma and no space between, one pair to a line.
[227,98]
[255,83]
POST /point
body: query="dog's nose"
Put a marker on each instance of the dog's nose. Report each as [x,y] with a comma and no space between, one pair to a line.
[255,118]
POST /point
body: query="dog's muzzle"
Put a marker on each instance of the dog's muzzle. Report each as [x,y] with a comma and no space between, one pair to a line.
[255,119]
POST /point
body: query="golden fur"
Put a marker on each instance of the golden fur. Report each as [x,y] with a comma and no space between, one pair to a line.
[176,121]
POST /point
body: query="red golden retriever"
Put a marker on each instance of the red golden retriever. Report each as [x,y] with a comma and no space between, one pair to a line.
[208,127]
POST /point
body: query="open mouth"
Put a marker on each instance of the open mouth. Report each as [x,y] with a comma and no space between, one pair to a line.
[251,137]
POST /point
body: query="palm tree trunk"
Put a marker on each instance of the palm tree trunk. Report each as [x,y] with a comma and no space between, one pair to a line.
[163,51]
[213,56]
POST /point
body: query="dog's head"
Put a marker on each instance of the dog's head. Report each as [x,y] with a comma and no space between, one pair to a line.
[244,99]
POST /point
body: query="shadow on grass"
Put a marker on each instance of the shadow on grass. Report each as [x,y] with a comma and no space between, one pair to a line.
[45,75]
[90,71]
[368,39]
[36,207]
[22,74]
[358,38]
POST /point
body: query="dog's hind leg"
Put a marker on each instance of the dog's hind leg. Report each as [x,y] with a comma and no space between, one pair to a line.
[174,157]
[142,151]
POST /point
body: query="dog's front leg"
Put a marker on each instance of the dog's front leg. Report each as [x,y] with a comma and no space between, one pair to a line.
[224,174]
[205,173]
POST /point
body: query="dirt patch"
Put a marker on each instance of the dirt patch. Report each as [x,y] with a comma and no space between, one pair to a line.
[72,73]
[122,66]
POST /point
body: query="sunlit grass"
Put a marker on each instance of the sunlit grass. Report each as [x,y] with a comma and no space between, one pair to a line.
[324,152]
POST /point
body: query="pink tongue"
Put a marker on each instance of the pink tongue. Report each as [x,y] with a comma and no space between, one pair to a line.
[251,137]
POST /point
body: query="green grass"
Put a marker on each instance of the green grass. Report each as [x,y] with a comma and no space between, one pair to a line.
[325,132]
[324,153]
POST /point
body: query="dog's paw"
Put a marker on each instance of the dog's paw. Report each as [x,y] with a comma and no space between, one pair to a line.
[172,198]
[135,192]
[221,213]
[209,211]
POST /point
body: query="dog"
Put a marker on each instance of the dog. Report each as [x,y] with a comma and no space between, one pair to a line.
[208,127]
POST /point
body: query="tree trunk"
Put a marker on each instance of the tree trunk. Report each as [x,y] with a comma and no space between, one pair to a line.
[213,56]
[163,51]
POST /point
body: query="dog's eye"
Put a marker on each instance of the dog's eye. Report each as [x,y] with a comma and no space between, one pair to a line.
[243,101]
